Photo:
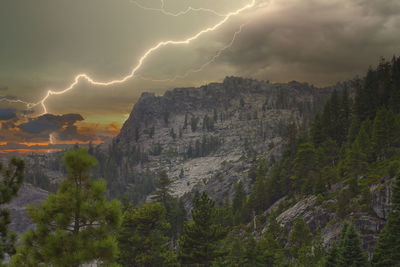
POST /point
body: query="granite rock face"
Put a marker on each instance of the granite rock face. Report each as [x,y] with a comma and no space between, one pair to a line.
[249,118]
[317,215]
[381,195]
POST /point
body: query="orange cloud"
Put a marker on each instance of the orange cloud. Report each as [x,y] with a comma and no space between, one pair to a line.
[50,133]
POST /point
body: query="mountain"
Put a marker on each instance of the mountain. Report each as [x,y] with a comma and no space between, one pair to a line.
[206,138]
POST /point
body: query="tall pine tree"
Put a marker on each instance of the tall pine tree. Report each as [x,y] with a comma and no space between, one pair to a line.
[142,238]
[200,243]
[75,226]
[351,252]
[332,260]
[162,194]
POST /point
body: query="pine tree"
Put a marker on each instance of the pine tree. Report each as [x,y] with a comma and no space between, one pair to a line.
[162,194]
[200,243]
[331,117]
[318,133]
[332,260]
[351,252]
[366,96]
[175,212]
[250,252]
[263,253]
[304,163]
[258,199]
[364,140]
[76,225]
[383,132]
[236,253]
[353,129]
[142,237]
[344,115]
[354,163]
[394,98]
[238,198]
[10,182]
[388,248]
[300,239]
[176,216]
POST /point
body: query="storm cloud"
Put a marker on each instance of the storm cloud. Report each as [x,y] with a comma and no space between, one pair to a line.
[7,114]
[61,125]
[316,41]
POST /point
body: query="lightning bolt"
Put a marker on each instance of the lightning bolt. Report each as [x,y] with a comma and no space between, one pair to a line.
[180,13]
[202,67]
[9,100]
[142,59]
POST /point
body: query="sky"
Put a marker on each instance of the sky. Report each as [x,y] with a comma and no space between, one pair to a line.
[45,44]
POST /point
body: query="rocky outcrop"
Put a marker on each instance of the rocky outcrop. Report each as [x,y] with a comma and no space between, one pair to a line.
[317,216]
[381,194]
[249,118]
[27,195]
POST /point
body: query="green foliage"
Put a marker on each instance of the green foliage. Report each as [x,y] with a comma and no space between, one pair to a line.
[265,252]
[75,226]
[394,168]
[350,251]
[175,212]
[238,201]
[200,243]
[10,182]
[176,216]
[354,163]
[343,208]
[384,133]
[300,239]
[304,164]
[163,192]
[332,260]
[142,237]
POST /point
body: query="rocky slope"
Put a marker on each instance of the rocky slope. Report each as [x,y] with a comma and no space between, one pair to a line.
[237,121]
[319,214]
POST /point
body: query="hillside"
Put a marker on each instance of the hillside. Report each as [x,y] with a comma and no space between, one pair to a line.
[205,138]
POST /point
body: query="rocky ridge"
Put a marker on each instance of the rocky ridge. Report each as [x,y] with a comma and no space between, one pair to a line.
[317,214]
[249,119]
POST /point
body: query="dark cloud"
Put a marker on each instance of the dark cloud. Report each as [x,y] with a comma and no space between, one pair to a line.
[48,123]
[316,41]
[27,112]
[7,125]
[7,114]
